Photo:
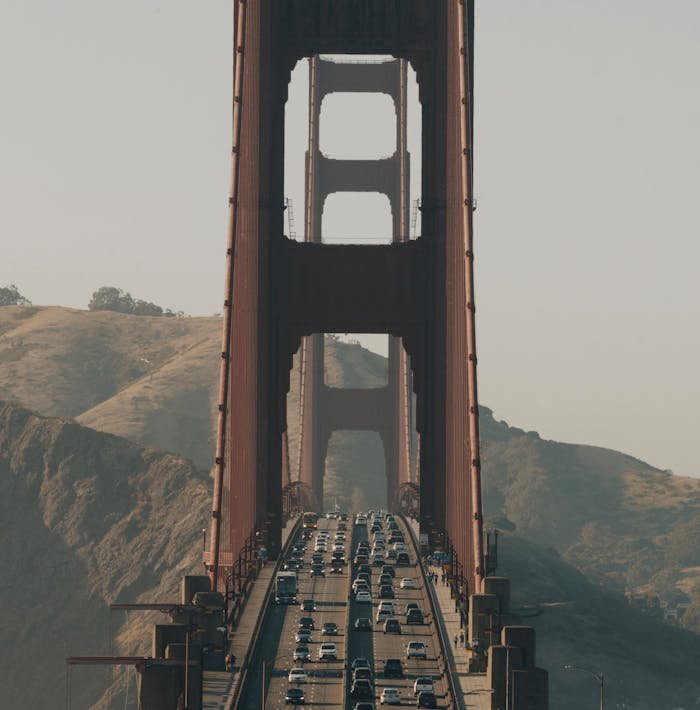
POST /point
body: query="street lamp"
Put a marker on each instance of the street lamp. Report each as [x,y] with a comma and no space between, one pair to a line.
[598,675]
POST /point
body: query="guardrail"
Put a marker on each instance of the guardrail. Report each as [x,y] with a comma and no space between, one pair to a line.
[239,688]
[435,611]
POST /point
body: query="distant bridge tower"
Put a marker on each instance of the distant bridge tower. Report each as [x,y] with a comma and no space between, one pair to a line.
[323,409]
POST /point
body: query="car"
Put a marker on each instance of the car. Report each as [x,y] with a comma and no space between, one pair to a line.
[417,649]
[400,547]
[308,605]
[365,568]
[317,557]
[329,628]
[363,597]
[359,663]
[336,567]
[389,569]
[378,559]
[306,622]
[328,652]
[362,623]
[385,578]
[388,605]
[318,570]
[302,653]
[342,525]
[423,684]
[361,559]
[363,706]
[426,700]
[362,577]
[386,591]
[390,696]
[362,689]
[402,559]
[294,696]
[303,636]
[383,615]
[361,520]
[360,587]
[415,616]
[393,668]
[297,675]
[321,547]
[362,674]
[291,566]
[390,555]
[392,626]
[409,606]
[407,583]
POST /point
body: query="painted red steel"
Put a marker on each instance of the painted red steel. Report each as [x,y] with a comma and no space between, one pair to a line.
[417,290]
[222,418]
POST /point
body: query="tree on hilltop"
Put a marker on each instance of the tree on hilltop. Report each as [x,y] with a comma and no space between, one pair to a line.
[110,298]
[10,296]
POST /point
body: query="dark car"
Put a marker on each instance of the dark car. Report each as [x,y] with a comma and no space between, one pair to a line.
[389,569]
[365,568]
[329,628]
[393,668]
[317,557]
[386,591]
[409,606]
[336,567]
[308,605]
[317,570]
[363,624]
[291,566]
[385,578]
[402,559]
[306,622]
[426,700]
[392,626]
[362,689]
[361,559]
[414,616]
[365,576]
[294,696]
[362,674]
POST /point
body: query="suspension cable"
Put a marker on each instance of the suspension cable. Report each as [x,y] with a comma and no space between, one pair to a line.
[465,121]
[239,42]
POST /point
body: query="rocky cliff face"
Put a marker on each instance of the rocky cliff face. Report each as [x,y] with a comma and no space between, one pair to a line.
[86,519]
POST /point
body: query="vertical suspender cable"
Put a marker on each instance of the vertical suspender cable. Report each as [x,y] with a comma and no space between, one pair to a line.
[239,41]
[465,120]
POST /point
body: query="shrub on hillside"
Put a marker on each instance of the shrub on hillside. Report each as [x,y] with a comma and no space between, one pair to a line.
[10,296]
[109,298]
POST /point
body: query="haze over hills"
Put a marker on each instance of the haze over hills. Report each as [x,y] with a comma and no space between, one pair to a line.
[153,380]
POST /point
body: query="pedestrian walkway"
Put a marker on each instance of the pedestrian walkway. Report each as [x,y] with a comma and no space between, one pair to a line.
[219,687]
[471,686]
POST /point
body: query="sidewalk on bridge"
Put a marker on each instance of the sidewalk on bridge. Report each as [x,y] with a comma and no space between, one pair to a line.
[470,685]
[219,686]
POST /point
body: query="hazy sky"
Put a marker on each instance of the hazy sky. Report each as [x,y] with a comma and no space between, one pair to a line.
[114,146]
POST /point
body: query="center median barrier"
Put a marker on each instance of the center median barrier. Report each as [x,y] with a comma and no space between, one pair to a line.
[243,675]
[453,696]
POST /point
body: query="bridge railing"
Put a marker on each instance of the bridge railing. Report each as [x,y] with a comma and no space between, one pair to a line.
[239,688]
[443,641]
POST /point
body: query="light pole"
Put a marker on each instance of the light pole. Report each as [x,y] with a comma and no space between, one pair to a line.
[598,675]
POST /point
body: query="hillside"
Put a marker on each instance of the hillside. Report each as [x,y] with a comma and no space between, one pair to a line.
[82,522]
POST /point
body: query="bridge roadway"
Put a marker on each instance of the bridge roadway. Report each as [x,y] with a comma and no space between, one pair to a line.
[329,682]
[377,646]
[324,688]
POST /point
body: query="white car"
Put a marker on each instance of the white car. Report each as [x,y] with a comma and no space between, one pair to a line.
[297,675]
[363,598]
[389,606]
[321,547]
[423,685]
[361,520]
[407,583]
[338,547]
[417,649]
[328,652]
[400,547]
[383,615]
[390,696]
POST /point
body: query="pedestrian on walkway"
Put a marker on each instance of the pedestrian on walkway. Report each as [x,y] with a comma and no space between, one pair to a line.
[461,638]
[456,639]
